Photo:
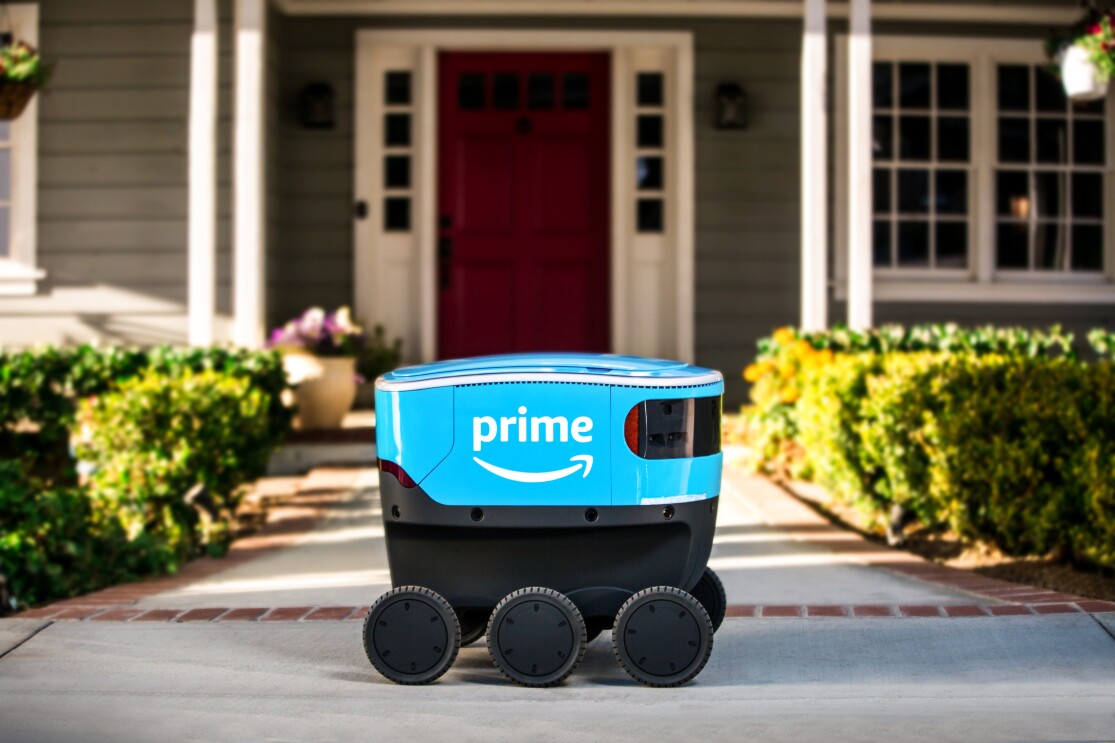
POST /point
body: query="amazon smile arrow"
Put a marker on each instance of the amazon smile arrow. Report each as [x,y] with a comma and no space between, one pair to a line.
[582,460]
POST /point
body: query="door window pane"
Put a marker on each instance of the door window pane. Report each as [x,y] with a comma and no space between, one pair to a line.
[880,190]
[1053,145]
[880,247]
[1087,142]
[1087,195]
[396,171]
[648,89]
[574,90]
[882,84]
[649,131]
[505,91]
[1012,194]
[1048,194]
[1014,140]
[953,139]
[1050,93]
[396,214]
[648,173]
[470,91]
[1050,246]
[649,215]
[397,130]
[540,90]
[952,245]
[883,145]
[952,192]
[397,88]
[1087,247]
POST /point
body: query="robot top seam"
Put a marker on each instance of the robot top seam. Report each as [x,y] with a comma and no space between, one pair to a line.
[473,380]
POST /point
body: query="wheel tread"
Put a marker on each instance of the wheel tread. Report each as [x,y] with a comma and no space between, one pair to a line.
[438,601]
[702,617]
[579,629]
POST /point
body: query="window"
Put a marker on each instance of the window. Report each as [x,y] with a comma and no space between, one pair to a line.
[19,271]
[987,183]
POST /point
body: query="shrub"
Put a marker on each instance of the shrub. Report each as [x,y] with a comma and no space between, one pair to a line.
[158,435]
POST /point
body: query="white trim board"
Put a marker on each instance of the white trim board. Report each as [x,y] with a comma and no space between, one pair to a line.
[924,11]
[394,273]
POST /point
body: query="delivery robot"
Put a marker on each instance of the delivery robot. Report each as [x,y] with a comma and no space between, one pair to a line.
[541,499]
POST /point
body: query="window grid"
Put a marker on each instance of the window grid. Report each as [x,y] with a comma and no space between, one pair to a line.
[398,155]
[1033,220]
[650,157]
[892,166]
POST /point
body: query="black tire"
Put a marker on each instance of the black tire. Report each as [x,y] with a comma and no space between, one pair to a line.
[474,623]
[537,637]
[710,592]
[411,635]
[662,637]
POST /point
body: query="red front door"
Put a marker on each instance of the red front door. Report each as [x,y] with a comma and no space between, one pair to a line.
[523,203]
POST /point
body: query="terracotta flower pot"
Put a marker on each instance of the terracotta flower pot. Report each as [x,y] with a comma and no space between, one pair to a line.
[1080,76]
[326,388]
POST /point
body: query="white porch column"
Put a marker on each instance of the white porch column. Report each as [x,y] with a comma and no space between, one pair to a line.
[202,201]
[859,166]
[814,169]
[248,174]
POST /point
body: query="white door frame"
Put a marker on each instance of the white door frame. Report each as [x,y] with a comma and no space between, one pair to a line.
[652,274]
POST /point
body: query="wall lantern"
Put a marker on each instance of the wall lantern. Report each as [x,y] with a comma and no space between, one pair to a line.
[315,106]
[731,106]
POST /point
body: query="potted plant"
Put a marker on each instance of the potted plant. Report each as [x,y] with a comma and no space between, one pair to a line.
[378,357]
[22,73]
[1085,56]
[319,353]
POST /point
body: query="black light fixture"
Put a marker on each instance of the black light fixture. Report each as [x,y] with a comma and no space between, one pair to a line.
[731,106]
[315,106]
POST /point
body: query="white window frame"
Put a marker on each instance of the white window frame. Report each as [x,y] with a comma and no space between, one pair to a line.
[981,282]
[19,271]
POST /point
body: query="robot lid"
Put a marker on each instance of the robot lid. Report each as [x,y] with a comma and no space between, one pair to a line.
[550,367]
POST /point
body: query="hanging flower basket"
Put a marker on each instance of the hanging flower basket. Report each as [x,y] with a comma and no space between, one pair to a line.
[22,74]
[1084,57]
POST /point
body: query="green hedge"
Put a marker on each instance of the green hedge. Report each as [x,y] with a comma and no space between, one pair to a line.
[1011,444]
[150,424]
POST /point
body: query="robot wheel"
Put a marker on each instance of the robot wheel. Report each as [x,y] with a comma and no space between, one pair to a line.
[411,635]
[662,636]
[536,637]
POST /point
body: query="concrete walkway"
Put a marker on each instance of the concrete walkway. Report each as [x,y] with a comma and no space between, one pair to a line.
[343,562]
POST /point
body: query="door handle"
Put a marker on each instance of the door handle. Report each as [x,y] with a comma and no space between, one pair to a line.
[445,257]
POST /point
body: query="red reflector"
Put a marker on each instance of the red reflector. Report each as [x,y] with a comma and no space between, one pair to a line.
[400,474]
[631,429]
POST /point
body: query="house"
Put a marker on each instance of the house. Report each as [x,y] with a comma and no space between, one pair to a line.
[661,177]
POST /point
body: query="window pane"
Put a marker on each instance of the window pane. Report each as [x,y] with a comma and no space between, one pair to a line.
[913,137]
[883,145]
[1087,247]
[396,171]
[1014,88]
[1087,141]
[540,90]
[1011,251]
[649,215]
[1014,140]
[952,192]
[913,85]
[952,139]
[880,247]
[1095,107]
[1050,246]
[952,87]
[952,245]
[1050,93]
[1053,144]
[881,190]
[913,244]
[648,173]
[1087,195]
[913,191]
[5,174]
[649,132]
[470,91]
[397,130]
[1049,194]
[396,214]
[882,84]
[1012,194]
[574,90]
[397,88]
[505,91]
[648,89]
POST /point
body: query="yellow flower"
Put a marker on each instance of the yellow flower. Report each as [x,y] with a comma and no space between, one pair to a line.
[801,349]
[790,395]
[754,372]
[784,336]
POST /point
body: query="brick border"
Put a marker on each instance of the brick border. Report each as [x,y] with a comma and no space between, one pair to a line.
[745,611]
